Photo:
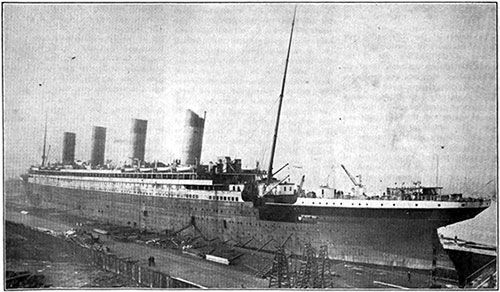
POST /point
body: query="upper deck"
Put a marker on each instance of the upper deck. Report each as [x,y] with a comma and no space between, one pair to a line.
[199,177]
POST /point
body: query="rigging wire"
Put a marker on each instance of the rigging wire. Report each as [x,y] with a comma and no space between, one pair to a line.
[261,121]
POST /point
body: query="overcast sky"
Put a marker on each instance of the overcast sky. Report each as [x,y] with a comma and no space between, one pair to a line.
[385,89]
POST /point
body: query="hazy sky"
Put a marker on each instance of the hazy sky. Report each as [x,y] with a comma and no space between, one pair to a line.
[380,88]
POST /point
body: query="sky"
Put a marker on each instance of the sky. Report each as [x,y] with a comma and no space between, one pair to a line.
[395,92]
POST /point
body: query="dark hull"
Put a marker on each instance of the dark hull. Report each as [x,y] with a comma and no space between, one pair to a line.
[393,238]
[431,218]
[467,262]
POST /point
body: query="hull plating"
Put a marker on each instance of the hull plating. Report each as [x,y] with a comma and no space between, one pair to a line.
[395,242]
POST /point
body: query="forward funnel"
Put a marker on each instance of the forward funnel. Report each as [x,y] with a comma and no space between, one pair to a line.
[193,138]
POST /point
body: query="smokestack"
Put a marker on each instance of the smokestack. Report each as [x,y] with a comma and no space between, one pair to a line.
[68,154]
[138,143]
[193,139]
[98,146]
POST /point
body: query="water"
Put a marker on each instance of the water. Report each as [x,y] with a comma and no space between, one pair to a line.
[480,229]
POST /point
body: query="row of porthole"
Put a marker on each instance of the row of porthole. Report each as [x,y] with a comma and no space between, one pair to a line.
[222,198]
[127,189]
[126,175]
[416,205]
[178,195]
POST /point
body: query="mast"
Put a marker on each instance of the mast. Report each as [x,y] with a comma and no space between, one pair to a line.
[270,169]
[44,142]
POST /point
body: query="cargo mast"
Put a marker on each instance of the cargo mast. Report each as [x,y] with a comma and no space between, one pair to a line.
[270,169]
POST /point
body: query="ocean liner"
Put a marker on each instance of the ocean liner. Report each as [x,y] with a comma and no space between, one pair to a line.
[251,207]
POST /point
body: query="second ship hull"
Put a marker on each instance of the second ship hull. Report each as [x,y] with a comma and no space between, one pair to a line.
[390,237]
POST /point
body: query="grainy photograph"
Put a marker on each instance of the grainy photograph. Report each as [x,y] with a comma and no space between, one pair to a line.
[250,145]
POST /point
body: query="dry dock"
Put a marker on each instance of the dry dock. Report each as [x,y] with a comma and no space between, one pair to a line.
[200,272]
[243,273]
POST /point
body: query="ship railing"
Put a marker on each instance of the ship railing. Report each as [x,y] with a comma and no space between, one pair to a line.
[411,198]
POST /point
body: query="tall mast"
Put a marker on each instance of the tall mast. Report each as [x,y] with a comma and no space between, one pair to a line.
[270,169]
[44,142]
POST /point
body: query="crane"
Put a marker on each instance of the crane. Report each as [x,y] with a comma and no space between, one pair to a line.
[358,184]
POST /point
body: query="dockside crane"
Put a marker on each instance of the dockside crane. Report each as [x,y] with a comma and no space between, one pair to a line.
[358,184]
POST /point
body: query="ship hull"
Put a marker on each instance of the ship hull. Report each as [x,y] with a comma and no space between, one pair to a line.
[468,262]
[381,240]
